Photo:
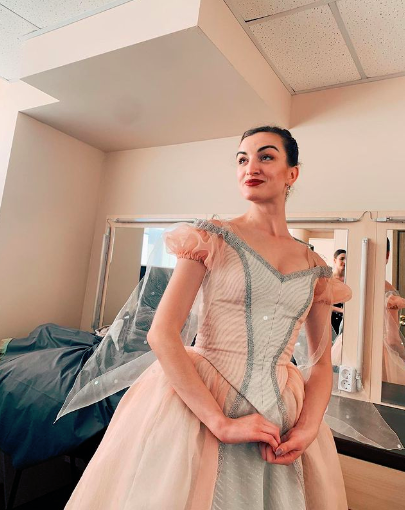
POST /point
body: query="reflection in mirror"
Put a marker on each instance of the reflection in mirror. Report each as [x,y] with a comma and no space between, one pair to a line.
[131,248]
[393,369]
[331,245]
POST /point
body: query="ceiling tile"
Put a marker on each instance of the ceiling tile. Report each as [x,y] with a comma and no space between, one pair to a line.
[45,13]
[307,49]
[253,9]
[12,27]
[377,30]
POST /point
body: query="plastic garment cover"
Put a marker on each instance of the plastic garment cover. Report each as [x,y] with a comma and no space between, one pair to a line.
[124,353]
[31,396]
[394,341]
[116,364]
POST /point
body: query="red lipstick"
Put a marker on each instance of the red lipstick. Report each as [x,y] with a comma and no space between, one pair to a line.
[253,182]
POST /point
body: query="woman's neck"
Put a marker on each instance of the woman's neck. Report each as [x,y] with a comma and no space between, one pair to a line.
[338,275]
[269,218]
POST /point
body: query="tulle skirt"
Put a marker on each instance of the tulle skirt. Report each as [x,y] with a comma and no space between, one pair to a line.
[157,455]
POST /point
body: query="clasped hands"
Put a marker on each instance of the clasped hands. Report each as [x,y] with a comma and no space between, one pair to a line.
[273,448]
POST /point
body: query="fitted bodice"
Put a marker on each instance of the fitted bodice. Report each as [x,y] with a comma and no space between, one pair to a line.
[250,319]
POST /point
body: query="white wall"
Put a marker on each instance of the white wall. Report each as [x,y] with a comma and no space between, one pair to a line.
[191,178]
[351,143]
[13,98]
[351,146]
[46,228]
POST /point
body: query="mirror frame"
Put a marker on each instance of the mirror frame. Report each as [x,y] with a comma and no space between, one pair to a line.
[386,220]
[112,223]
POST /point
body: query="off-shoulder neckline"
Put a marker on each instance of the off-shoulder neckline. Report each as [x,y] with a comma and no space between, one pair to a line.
[225,232]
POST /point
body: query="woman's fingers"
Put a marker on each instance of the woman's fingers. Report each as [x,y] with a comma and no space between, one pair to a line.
[251,428]
[262,448]
[284,454]
[274,431]
[270,457]
[288,458]
[269,439]
[287,452]
[286,447]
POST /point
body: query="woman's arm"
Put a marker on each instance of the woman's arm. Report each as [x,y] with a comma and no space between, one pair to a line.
[318,388]
[393,337]
[317,394]
[165,340]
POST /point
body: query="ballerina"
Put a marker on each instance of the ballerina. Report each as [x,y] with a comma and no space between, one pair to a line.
[394,341]
[230,423]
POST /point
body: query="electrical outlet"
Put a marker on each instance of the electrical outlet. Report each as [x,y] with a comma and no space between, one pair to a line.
[347,379]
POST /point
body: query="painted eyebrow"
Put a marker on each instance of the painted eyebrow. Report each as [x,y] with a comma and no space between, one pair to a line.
[268,147]
[259,150]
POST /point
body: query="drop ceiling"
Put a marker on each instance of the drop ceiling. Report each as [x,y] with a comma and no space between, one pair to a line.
[324,44]
[310,45]
[22,19]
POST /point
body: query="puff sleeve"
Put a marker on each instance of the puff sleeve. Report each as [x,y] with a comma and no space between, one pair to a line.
[187,242]
[329,290]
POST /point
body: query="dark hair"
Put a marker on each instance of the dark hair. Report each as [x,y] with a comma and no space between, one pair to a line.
[290,145]
[388,245]
[337,253]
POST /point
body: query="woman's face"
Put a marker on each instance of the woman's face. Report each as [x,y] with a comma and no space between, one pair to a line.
[263,172]
[340,262]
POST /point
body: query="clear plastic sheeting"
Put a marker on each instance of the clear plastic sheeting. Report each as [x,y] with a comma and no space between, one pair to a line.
[361,421]
[124,353]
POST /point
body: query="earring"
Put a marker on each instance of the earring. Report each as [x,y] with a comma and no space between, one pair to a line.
[288,191]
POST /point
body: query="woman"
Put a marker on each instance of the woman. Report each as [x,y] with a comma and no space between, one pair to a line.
[339,266]
[231,424]
[394,342]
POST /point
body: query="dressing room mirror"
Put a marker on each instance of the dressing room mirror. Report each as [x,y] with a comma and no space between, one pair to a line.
[131,245]
[129,251]
[331,245]
[393,361]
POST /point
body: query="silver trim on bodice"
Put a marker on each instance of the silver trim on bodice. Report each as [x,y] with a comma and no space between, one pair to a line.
[274,303]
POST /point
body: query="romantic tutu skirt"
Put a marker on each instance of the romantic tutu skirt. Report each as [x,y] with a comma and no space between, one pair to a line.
[157,455]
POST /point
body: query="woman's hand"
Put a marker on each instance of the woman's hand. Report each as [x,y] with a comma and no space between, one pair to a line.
[293,445]
[253,428]
[395,302]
